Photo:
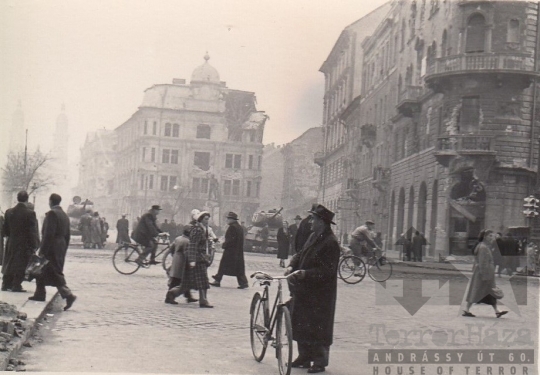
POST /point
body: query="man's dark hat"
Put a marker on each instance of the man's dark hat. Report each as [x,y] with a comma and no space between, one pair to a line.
[232,215]
[298,217]
[323,212]
[156,207]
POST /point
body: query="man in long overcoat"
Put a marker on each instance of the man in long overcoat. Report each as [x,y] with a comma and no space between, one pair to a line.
[20,227]
[293,229]
[122,227]
[303,232]
[84,226]
[54,245]
[232,261]
[146,232]
[315,292]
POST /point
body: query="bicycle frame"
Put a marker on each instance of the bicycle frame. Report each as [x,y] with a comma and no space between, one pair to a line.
[277,303]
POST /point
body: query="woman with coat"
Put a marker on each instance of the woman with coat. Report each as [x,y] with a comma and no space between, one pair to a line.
[315,291]
[283,244]
[178,270]
[197,275]
[483,278]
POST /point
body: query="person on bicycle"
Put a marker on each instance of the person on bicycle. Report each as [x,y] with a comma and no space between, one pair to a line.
[146,233]
[315,293]
[362,243]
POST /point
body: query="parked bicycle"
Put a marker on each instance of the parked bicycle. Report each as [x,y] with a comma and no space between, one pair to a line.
[352,269]
[274,328]
[126,255]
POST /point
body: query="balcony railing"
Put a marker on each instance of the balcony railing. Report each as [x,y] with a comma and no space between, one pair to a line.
[409,100]
[466,143]
[499,62]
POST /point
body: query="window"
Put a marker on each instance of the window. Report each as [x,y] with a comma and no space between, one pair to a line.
[444,44]
[154,128]
[227,187]
[172,182]
[513,32]
[231,187]
[250,162]
[142,182]
[151,182]
[176,130]
[200,185]
[248,188]
[203,131]
[174,156]
[257,189]
[260,165]
[476,34]
[143,154]
[164,183]
[153,154]
[469,117]
[233,161]
[202,160]
[168,128]
[166,156]
[236,187]
[145,126]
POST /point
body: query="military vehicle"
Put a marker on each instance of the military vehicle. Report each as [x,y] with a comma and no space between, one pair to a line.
[253,240]
[75,211]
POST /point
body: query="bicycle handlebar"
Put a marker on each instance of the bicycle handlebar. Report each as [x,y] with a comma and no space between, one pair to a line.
[259,275]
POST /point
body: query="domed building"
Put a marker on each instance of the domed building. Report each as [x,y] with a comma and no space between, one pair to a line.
[196,145]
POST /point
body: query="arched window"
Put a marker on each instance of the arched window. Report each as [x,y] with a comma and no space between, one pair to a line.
[444,44]
[513,31]
[167,130]
[476,34]
[203,131]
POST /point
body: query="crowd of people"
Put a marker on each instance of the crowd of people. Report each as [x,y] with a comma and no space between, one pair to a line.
[94,230]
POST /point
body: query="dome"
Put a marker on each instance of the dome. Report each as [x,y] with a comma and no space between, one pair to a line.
[205,73]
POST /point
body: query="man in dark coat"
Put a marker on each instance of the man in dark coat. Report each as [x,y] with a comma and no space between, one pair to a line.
[417,245]
[54,245]
[146,232]
[293,229]
[20,227]
[315,293]
[122,226]
[303,233]
[232,261]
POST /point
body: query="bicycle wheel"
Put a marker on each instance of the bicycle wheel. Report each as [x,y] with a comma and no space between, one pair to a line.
[380,269]
[167,259]
[124,260]
[283,341]
[351,269]
[258,327]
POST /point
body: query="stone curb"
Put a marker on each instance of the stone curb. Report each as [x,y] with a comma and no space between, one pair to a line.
[14,350]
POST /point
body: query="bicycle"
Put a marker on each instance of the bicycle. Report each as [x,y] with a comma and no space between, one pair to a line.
[262,323]
[379,267]
[125,256]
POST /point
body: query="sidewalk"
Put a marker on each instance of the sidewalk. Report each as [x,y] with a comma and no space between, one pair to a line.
[18,320]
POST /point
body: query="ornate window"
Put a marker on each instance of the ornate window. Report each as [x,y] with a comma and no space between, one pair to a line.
[476,34]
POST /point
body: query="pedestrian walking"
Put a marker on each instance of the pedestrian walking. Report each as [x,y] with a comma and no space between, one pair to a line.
[303,233]
[20,228]
[315,292]
[178,271]
[104,231]
[85,222]
[482,283]
[405,247]
[197,274]
[265,232]
[283,241]
[96,240]
[293,229]
[54,245]
[232,261]
[122,228]
[417,246]
[145,234]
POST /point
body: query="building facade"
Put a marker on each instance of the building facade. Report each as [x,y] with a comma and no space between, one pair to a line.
[443,133]
[196,145]
[273,174]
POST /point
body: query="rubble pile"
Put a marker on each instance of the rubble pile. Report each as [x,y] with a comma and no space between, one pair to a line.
[13,324]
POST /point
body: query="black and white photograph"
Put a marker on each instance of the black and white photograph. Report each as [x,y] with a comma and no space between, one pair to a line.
[270,187]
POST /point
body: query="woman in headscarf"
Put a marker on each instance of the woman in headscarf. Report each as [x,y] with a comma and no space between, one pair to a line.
[483,278]
[197,249]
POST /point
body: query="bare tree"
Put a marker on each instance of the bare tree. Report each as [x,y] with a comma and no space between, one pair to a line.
[26,171]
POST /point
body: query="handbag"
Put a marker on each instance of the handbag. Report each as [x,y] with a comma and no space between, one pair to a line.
[497,292]
[35,267]
[206,259]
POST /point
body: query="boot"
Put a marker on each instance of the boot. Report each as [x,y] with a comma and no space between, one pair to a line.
[189,297]
[169,298]
[203,302]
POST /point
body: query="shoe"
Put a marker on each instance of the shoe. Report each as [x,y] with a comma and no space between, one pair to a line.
[18,290]
[206,306]
[300,364]
[171,301]
[466,313]
[5,288]
[191,299]
[216,284]
[215,278]
[153,262]
[499,314]
[69,301]
[315,369]
[243,287]
[34,298]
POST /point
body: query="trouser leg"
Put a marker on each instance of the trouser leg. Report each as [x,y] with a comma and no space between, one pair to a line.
[304,352]
[64,291]
[242,280]
[7,282]
[40,292]
[18,278]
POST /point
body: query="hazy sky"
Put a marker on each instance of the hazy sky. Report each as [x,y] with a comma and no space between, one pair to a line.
[98,57]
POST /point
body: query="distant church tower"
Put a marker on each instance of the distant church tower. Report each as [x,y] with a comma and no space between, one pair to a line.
[17,131]
[59,153]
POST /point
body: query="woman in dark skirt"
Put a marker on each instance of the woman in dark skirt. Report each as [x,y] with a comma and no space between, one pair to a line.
[283,244]
[483,278]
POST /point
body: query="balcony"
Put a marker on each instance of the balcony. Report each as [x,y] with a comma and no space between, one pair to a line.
[318,158]
[483,63]
[469,145]
[409,100]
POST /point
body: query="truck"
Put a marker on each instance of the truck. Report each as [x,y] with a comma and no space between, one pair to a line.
[253,240]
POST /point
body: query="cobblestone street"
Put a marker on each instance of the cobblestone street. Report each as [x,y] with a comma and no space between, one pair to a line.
[121,324]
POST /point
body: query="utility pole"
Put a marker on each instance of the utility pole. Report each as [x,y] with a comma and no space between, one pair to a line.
[25,160]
